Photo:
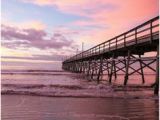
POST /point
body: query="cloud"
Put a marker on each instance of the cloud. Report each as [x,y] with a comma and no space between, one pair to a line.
[105,18]
[103,8]
[13,37]
[66,30]
[76,7]
[33,24]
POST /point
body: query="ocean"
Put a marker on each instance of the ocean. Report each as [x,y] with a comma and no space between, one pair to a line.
[61,95]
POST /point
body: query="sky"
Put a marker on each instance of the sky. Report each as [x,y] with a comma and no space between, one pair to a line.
[40,34]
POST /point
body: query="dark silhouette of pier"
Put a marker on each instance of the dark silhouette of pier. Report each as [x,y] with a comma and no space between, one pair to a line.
[125,49]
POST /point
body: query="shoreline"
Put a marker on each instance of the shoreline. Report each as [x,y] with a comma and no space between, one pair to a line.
[114,96]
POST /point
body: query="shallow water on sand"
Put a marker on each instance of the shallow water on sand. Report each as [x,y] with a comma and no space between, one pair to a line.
[20,107]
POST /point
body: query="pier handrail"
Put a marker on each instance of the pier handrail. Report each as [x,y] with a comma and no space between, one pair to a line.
[148,28]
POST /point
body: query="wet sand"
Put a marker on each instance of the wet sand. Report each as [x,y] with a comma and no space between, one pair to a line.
[23,107]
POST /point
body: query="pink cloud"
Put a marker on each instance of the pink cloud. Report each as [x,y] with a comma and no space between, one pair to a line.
[35,24]
[14,37]
[103,8]
[124,15]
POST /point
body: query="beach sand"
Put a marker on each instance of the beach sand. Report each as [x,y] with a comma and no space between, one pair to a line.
[23,107]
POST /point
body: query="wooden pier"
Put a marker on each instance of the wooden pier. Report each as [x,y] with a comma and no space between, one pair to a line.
[125,49]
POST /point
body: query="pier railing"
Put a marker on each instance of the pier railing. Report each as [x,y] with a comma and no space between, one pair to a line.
[133,36]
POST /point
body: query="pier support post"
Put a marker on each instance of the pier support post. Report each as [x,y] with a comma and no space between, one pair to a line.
[100,68]
[108,68]
[156,89]
[80,67]
[93,67]
[127,68]
[76,68]
[96,65]
[115,73]
[111,71]
[142,73]
[89,65]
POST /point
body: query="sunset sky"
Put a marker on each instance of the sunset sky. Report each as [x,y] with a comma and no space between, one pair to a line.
[39,34]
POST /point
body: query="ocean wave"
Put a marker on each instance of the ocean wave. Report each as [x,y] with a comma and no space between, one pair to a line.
[32,70]
[80,95]
[32,86]
[101,90]
[35,73]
